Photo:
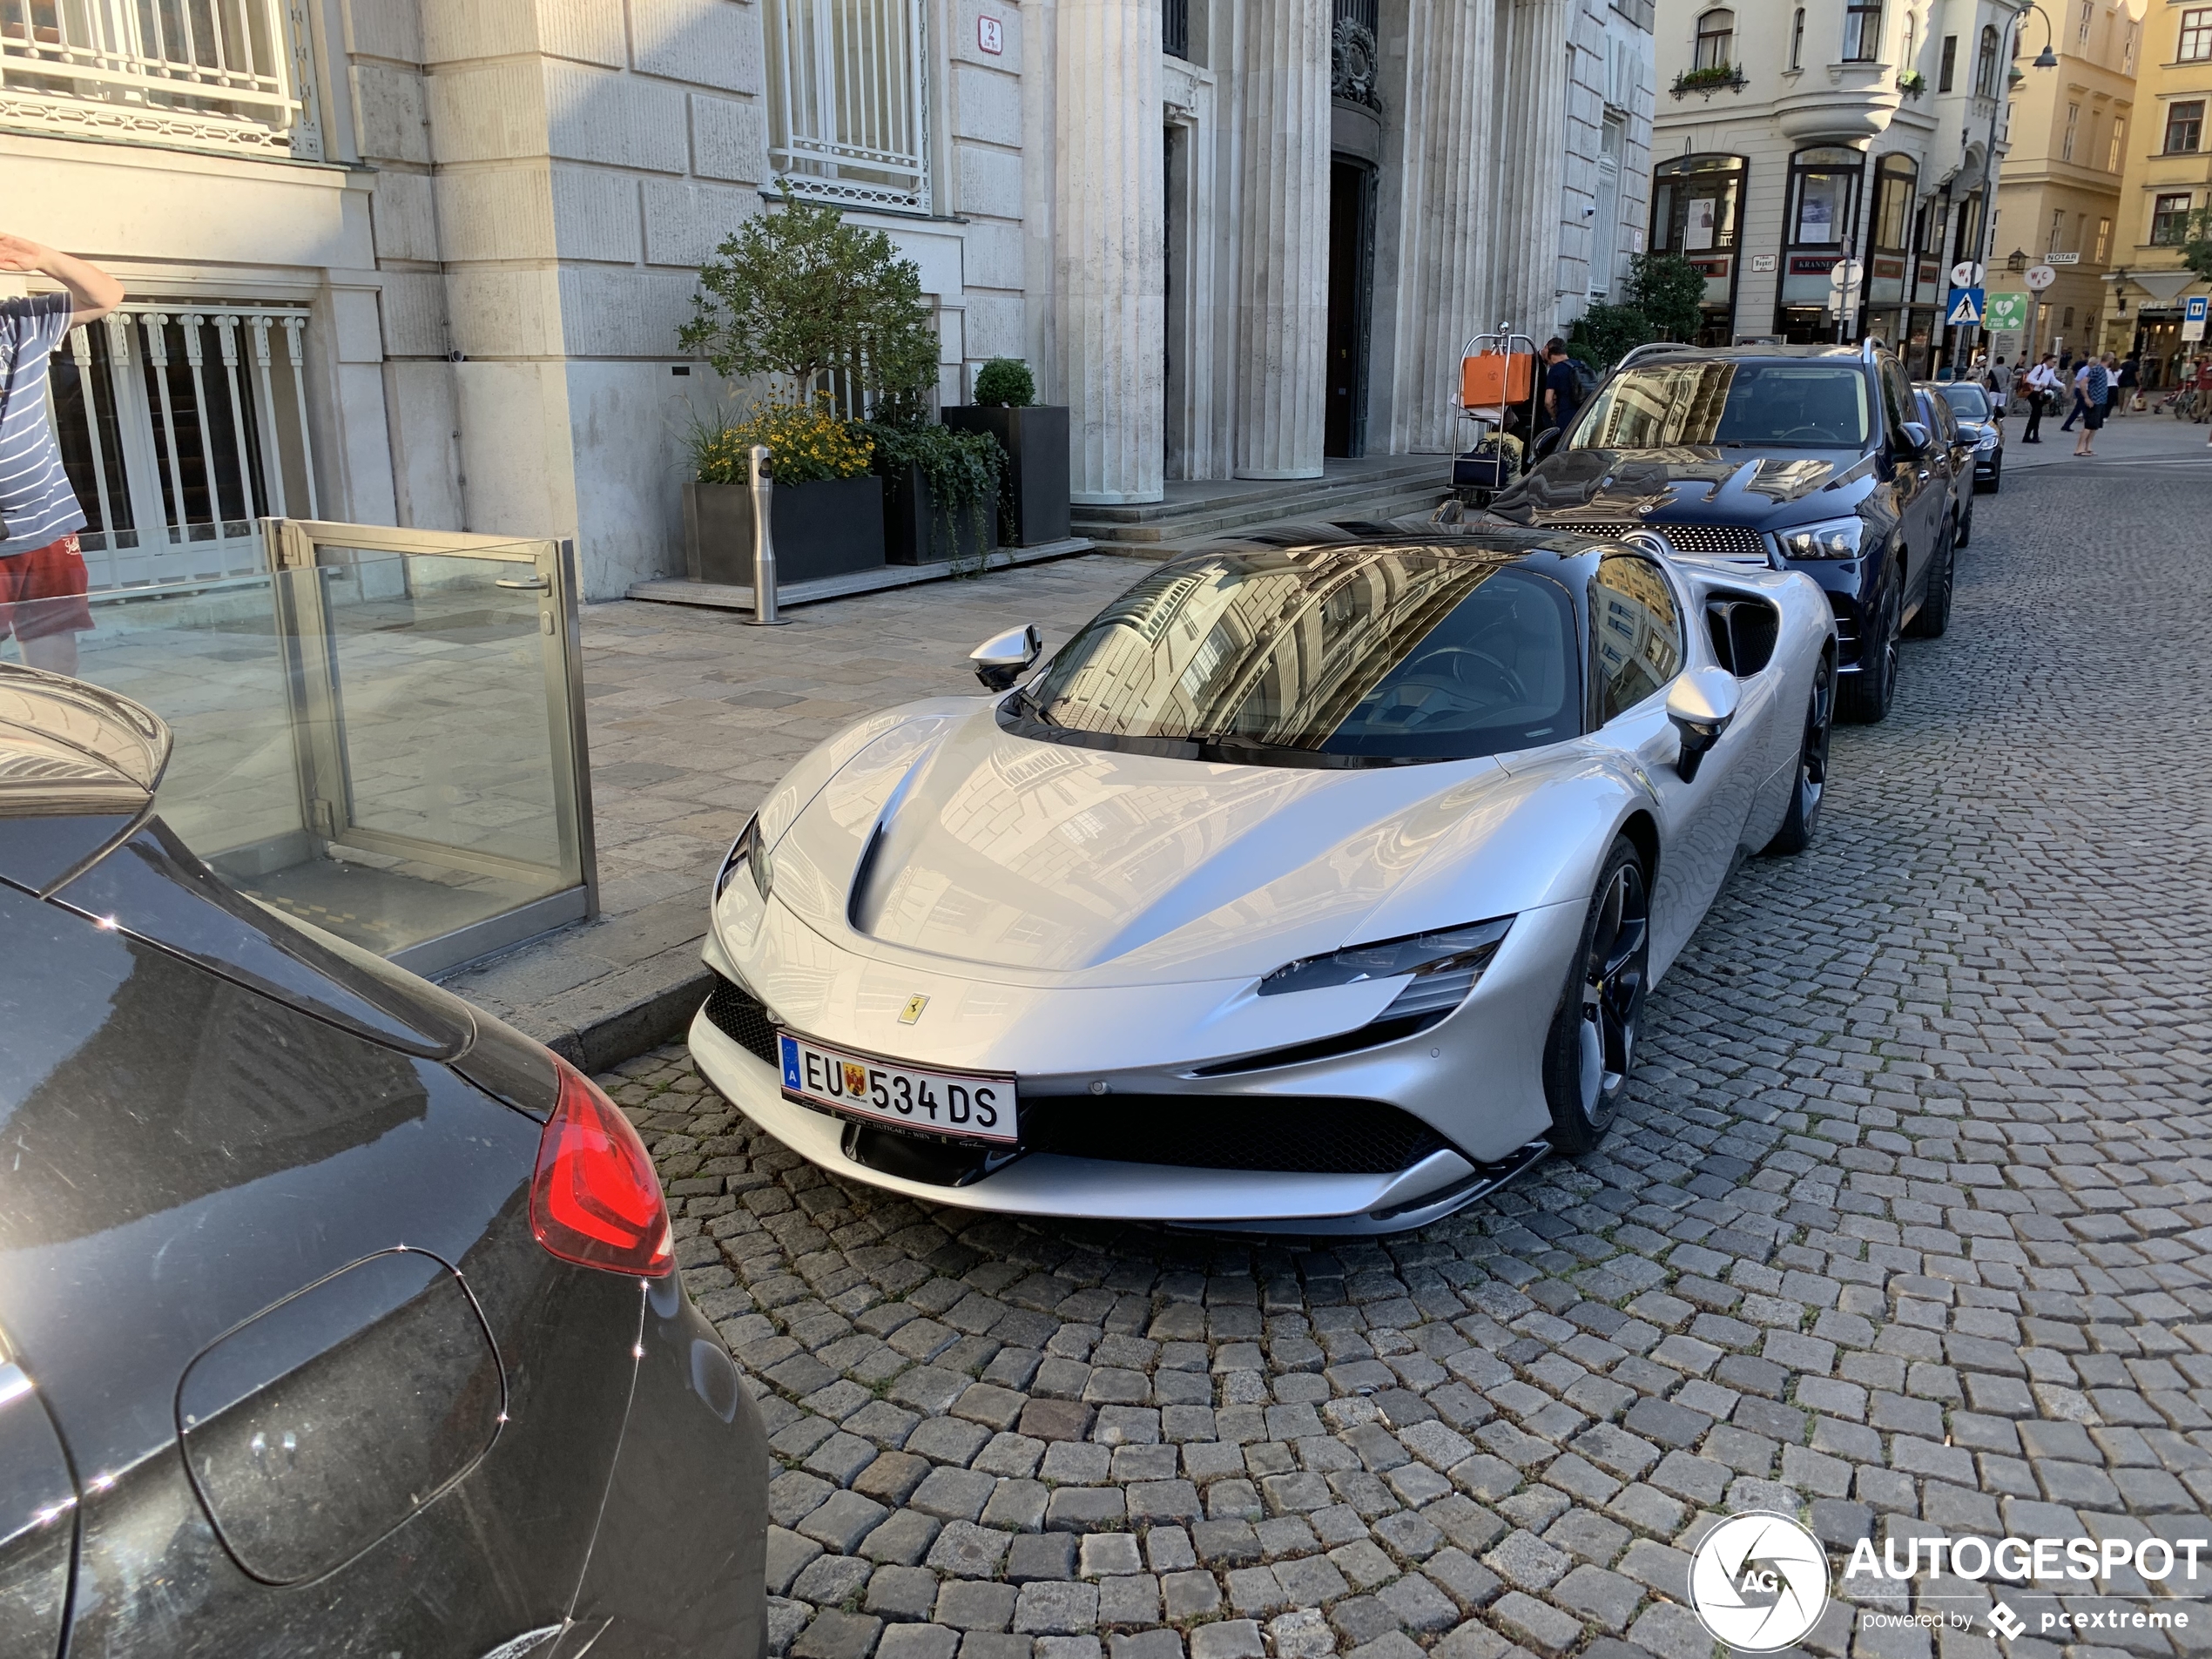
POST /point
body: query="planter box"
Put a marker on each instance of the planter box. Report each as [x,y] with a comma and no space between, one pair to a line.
[914,531]
[1036,441]
[830,528]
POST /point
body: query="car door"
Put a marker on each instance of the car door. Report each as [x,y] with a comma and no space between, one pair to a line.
[1638,611]
[1918,489]
[1955,455]
[38,1519]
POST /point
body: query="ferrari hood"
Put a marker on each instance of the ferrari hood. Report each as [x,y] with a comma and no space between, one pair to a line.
[1693,483]
[948,837]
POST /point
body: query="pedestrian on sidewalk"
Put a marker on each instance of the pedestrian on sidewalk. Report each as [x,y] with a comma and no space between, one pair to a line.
[1997,380]
[42,569]
[2129,379]
[2042,384]
[1562,393]
[2093,391]
[2079,400]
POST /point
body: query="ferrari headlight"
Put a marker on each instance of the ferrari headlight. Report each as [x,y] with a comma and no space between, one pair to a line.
[1453,958]
[1834,538]
[750,850]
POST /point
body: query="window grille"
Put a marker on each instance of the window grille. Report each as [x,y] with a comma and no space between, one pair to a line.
[220,74]
[847,109]
[179,428]
[1175,28]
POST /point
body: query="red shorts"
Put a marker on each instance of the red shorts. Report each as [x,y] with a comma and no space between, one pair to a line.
[42,592]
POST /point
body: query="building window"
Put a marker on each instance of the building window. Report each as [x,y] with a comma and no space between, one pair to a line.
[1894,190]
[2169,219]
[2057,229]
[2104,241]
[2127,51]
[2112,147]
[1986,65]
[179,428]
[1910,51]
[1863,32]
[1715,39]
[1798,39]
[1695,202]
[1949,70]
[2068,321]
[1175,28]
[2184,127]
[847,112]
[2073,126]
[1824,196]
[2196,35]
[2089,16]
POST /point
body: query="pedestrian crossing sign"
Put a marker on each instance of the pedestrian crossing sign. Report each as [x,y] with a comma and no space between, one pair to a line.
[1965,308]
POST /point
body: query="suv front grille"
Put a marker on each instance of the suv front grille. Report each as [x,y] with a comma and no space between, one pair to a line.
[743,1018]
[1707,541]
[1300,1137]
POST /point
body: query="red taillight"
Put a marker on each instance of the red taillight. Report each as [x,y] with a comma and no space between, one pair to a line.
[595,1199]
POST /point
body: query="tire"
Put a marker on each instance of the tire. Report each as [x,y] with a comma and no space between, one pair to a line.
[1803,816]
[1864,698]
[1591,1047]
[1965,531]
[1934,614]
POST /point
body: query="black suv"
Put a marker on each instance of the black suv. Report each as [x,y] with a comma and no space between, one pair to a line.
[1812,457]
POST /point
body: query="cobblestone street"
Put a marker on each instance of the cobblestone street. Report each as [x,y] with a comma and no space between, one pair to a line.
[1907,1229]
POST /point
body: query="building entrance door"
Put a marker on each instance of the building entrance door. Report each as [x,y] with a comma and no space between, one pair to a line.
[1352,270]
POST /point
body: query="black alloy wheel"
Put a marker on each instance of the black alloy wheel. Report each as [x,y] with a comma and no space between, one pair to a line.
[1865,698]
[1592,1046]
[1803,816]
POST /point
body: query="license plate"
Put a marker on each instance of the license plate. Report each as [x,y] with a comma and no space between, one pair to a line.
[969,1105]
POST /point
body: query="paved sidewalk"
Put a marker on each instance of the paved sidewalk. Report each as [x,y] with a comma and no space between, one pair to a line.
[693,717]
[1906,1229]
[2132,440]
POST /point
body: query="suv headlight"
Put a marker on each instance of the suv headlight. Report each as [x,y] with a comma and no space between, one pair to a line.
[1987,441]
[751,851]
[1455,952]
[1834,538]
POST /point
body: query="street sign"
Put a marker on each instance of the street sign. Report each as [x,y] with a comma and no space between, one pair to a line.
[2005,312]
[1966,308]
[2061,259]
[2193,314]
[1846,274]
[2041,277]
[1966,275]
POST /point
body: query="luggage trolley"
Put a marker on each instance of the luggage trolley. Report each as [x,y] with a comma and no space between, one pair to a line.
[1497,379]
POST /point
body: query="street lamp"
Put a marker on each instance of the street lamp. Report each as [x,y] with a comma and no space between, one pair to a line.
[2017,263]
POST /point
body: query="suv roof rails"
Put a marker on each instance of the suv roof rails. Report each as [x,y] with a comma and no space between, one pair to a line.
[1656,345]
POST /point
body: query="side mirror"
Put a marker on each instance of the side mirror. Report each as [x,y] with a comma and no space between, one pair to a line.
[1700,705]
[1003,659]
[1547,440]
[1916,437]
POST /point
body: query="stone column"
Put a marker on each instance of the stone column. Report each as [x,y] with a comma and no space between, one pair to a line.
[1534,142]
[1110,276]
[1448,219]
[1282,233]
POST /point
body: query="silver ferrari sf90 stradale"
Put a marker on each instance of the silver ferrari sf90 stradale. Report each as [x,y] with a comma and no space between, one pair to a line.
[1315,886]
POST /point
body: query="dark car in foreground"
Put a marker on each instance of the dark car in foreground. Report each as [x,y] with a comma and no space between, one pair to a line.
[1979,419]
[1811,458]
[335,1317]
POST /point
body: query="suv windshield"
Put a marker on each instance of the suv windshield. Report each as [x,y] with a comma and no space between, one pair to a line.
[1320,655]
[1967,403]
[1659,406]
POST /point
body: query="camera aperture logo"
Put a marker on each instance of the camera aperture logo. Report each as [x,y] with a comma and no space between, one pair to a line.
[1759,1581]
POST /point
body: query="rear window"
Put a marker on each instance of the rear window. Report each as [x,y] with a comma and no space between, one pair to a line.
[1769,405]
[1323,656]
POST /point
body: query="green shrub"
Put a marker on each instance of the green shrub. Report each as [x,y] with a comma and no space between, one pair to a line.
[1604,334]
[1006,383]
[811,443]
[961,468]
[1671,292]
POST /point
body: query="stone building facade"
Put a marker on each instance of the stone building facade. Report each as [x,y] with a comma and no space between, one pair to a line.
[1792,138]
[427,257]
[2167,184]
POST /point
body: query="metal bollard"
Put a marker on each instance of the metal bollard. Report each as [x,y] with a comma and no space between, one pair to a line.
[760,478]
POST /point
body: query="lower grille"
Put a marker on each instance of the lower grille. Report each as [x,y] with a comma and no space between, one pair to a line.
[1846,611]
[1295,1137]
[1708,541]
[743,1018]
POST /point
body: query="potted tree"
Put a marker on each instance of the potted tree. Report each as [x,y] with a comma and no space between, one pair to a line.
[1034,487]
[830,317]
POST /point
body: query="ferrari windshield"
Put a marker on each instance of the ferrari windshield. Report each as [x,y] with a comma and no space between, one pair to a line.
[1319,656]
[1759,404]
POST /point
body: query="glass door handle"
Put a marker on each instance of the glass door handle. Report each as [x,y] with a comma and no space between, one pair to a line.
[533,584]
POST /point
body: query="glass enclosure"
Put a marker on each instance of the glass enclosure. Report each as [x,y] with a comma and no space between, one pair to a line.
[380,738]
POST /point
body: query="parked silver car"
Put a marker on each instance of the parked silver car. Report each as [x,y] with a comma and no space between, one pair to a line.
[1316,884]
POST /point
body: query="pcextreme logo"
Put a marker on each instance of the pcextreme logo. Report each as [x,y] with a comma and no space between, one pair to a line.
[1759,1581]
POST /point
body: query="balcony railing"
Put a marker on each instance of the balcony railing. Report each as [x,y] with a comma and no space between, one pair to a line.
[217,74]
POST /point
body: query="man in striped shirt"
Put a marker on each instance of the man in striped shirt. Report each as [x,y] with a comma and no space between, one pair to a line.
[42,571]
